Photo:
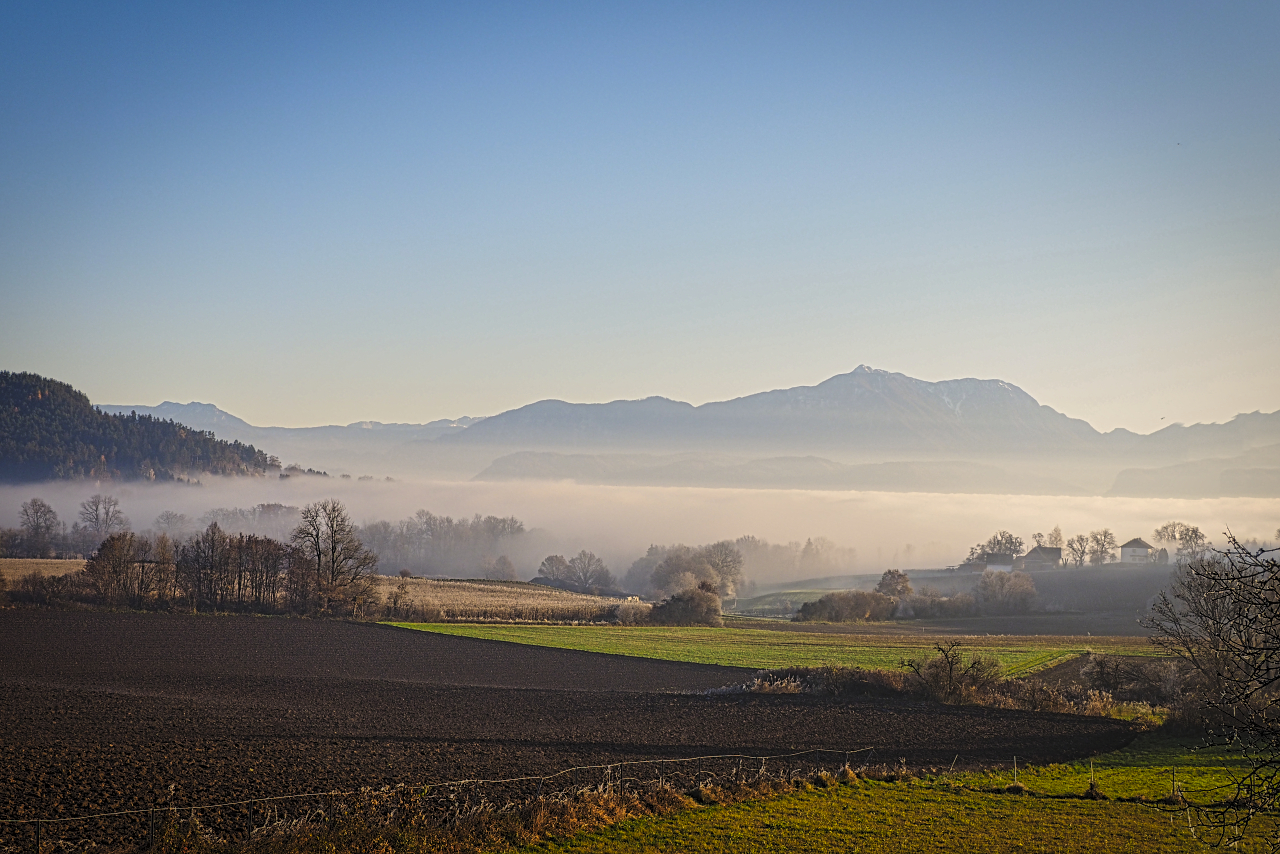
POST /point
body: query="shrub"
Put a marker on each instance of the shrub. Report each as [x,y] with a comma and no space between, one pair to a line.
[830,681]
[693,607]
[951,677]
[630,613]
[1006,592]
[852,606]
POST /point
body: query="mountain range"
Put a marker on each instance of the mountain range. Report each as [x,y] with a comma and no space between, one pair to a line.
[866,429]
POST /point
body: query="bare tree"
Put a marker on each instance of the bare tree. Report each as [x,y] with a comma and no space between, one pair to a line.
[331,545]
[40,525]
[1102,546]
[1192,543]
[587,571]
[1055,540]
[202,562]
[554,567]
[173,525]
[1078,549]
[1223,618]
[725,558]
[101,514]
[501,569]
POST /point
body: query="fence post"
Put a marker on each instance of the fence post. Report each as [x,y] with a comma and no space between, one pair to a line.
[151,828]
[248,823]
[37,836]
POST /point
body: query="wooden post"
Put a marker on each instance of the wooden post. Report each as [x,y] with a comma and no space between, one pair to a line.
[151,828]
[37,836]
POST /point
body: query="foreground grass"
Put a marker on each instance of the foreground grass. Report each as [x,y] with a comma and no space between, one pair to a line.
[962,812]
[760,649]
[897,817]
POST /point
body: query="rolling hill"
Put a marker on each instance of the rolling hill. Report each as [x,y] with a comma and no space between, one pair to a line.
[49,431]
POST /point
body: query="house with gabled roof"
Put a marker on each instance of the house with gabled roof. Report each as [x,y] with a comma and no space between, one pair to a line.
[1042,557]
[1136,551]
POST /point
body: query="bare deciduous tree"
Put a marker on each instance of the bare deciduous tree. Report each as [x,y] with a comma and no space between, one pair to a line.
[588,571]
[331,545]
[101,514]
[1223,618]
[1192,543]
[39,525]
[1078,549]
[173,525]
[502,569]
[1102,546]
[554,567]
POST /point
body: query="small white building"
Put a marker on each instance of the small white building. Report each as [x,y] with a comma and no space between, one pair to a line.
[1135,551]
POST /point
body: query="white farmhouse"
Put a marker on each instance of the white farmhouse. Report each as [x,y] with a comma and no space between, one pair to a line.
[1135,551]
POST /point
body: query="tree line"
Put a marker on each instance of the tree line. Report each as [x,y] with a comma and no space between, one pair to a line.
[427,544]
[322,567]
[50,431]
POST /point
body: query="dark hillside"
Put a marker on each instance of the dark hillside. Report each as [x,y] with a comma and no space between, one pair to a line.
[50,431]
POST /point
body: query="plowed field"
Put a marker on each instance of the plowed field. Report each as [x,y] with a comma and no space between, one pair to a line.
[114,711]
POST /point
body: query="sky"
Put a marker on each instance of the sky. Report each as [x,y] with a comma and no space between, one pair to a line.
[324,213]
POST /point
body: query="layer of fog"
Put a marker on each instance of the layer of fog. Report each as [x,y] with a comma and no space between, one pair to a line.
[902,530]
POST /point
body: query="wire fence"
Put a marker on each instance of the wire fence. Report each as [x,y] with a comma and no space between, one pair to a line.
[240,819]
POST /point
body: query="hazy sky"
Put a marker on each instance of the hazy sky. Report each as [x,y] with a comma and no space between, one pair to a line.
[313,213]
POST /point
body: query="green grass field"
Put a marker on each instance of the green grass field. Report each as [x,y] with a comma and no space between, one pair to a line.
[951,813]
[763,649]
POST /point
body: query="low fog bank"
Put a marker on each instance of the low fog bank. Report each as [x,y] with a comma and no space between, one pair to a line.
[873,530]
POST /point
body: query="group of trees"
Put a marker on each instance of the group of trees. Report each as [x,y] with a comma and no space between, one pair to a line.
[41,534]
[667,570]
[583,573]
[1098,547]
[894,597]
[999,543]
[50,431]
[322,566]
[814,558]
[426,544]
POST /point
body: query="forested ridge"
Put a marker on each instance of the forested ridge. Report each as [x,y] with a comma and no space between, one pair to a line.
[50,431]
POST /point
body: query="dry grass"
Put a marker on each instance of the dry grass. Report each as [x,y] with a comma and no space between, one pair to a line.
[14,568]
[496,601]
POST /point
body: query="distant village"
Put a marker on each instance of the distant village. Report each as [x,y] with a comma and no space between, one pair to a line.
[1004,552]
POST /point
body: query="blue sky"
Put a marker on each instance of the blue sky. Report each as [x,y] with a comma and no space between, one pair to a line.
[322,213]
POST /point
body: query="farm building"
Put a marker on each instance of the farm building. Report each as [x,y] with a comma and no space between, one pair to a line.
[1135,551]
[1042,557]
[1001,563]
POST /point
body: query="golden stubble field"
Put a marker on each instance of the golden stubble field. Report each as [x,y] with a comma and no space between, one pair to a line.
[478,599]
[13,568]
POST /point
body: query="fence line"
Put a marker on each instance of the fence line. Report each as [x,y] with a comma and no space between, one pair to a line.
[476,782]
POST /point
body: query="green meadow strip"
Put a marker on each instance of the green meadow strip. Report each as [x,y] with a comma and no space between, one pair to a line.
[945,812]
[764,649]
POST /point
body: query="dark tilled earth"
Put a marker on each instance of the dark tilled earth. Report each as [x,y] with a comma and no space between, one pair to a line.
[104,711]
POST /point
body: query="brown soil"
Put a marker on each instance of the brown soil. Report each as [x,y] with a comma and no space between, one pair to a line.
[106,711]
